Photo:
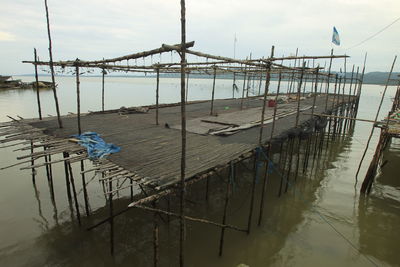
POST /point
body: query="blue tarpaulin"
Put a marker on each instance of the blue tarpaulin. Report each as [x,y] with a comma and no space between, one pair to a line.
[95,145]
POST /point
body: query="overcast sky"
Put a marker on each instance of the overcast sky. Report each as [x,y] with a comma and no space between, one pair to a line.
[93,29]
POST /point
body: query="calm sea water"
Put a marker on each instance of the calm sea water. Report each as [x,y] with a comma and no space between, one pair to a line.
[321,221]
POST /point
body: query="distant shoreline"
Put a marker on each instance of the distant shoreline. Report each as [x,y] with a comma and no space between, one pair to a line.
[376,78]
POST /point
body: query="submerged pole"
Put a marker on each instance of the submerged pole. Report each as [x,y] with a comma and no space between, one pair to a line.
[37,85]
[53,87]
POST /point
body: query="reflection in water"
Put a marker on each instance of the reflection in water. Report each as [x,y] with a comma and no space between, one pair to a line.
[319,221]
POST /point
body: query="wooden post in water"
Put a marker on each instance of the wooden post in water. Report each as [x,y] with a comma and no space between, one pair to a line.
[111,214]
[228,189]
[155,237]
[213,91]
[85,193]
[183,135]
[71,175]
[264,186]
[328,81]
[37,85]
[157,93]
[363,190]
[66,171]
[52,67]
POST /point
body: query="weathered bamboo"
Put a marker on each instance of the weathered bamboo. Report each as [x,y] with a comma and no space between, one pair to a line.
[187,87]
[183,135]
[78,97]
[266,90]
[328,81]
[85,193]
[260,83]
[71,176]
[103,72]
[212,94]
[299,95]
[155,237]
[53,87]
[189,218]
[376,119]
[292,78]
[37,86]
[227,193]
[157,94]
[264,186]
[244,87]
[111,213]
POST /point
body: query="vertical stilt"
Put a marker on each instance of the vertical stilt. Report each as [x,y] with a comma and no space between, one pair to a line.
[183,135]
[85,193]
[244,88]
[37,85]
[228,188]
[131,188]
[53,87]
[155,237]
[253,189]
[71,175]
[187,86]
[103,72]
[213,91]
[67,180]
[78,97]
[157,93]
[111,214]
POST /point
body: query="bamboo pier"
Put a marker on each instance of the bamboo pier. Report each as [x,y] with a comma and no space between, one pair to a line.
[166,148]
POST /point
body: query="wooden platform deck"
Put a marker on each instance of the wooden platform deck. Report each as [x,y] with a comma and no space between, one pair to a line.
[153,151]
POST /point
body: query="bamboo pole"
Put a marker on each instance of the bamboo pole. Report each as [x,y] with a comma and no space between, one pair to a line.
[155,237]
[85,193]
[244,87]
[52,67]
[228,188]
[78,97]
[103,72]
[376,118]
[266,90]
[157,94]
[37,86]
[328,81]
[71,175]
[264,186]
[111,213]
[212,94]
[299,95]
[187,86]
[183,135]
